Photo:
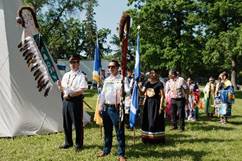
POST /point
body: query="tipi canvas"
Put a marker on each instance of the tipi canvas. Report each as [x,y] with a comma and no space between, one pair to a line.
[23,110]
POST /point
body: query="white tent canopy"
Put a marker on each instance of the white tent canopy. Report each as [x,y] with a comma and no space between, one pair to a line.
[23,110]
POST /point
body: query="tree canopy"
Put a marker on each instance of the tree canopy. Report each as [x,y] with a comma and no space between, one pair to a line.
[66,30]
[193,36]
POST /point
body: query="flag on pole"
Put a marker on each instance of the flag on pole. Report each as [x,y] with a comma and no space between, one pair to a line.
[97,78]
[96,64]
[135,95]
[97,118]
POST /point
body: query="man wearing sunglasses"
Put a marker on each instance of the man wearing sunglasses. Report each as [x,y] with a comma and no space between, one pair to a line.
[72,87]
[109,109]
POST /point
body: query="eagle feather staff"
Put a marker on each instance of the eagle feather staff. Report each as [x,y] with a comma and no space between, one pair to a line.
[35,52]
[124,27]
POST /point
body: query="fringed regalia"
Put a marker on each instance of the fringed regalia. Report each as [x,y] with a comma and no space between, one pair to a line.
[209,96]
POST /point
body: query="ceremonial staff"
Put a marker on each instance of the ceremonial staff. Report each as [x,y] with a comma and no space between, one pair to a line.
[124,28]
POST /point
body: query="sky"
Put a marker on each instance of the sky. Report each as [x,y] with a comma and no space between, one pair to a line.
[108,14]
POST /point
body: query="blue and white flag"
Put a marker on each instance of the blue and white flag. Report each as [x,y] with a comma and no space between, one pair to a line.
[96,64]
[135,94]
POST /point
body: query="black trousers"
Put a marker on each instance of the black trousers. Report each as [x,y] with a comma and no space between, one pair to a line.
[73,114]
[178,112]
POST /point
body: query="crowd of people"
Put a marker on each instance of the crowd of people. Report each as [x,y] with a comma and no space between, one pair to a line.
[174,101]
[218,97]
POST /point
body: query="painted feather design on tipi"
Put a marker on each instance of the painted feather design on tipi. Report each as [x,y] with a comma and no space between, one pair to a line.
[35,52]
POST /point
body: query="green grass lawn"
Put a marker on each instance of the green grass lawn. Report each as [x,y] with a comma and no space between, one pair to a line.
[202,140]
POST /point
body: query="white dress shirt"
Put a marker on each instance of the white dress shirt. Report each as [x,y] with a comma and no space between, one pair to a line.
[175,88]
[73,81]
[111,92]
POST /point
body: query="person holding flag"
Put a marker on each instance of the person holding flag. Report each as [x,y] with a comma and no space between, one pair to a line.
[111,104]
[110,99]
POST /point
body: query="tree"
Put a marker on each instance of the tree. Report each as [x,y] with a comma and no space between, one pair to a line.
[65,33]
[90,29]
[170,36]
[181,33]
[222,19]
[59,25]
[226,51]
[37,4]
[102,39]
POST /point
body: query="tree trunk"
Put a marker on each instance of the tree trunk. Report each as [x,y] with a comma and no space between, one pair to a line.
[234,72]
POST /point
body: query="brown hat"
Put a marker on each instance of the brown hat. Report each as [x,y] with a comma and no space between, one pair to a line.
[74,57]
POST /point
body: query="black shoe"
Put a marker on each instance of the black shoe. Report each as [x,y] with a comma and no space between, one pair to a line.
[127,126]
[78,148]
[65,146]
[182,129]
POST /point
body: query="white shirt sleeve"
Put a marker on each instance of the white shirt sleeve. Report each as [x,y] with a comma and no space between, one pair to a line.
[82,82]
[64,80]
[126,86]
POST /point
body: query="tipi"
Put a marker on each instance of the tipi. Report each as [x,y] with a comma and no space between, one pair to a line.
[23,110]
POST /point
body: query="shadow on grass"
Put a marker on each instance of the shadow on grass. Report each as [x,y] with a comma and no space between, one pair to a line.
[173,139]
[235,122]
[196,126]
[91,125]
[203,117]
[195,155]
[202,140]
[238,94]
[202,123]
[148,151]
[236,116]
[92,146]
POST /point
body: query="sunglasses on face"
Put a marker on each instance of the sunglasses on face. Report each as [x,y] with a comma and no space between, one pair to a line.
[74,62]
[111,67]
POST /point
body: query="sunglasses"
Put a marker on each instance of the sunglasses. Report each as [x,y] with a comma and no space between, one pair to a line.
[74,62]
[111,66]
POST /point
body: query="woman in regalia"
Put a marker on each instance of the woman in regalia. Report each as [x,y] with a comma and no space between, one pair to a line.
[227,97]
[209,95]
[153,123]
